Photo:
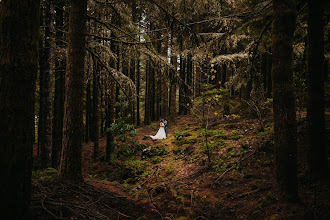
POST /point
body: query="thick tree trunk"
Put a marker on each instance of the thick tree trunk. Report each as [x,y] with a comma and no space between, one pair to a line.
[59,90]
[88,111]
[19,33]
[70,168]
[285,130]
[318,160]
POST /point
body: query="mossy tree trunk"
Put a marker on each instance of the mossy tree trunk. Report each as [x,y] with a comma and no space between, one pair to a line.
[70,167]
[19,33]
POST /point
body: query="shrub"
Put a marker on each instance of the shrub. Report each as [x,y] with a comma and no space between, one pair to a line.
[180,134]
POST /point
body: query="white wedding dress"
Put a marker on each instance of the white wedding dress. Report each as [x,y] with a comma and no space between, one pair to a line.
[160,134]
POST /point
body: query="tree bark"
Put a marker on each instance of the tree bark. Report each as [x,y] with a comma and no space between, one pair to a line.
[88,111]
[96,111]
[285,130]
[19,33]
[182,85]
[318,160]
[146,94]
[59,89]
[110,114]
[138,120]
[70,167]
[46,91]
[172,96]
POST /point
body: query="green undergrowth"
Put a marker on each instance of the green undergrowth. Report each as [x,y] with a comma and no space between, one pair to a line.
[138,163]
[47,173]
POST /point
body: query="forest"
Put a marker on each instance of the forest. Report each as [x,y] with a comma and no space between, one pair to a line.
[165,109]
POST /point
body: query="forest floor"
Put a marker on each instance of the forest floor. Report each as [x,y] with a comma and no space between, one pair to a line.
[175,178]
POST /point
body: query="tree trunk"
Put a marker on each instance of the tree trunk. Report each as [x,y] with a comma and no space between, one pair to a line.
[96,111]
[182,85]
[110,113]
[152,91]
[285,141]
[146,94]
[318,160]
[189,83]
[70,168]
[19,33]
[132,77]
[42,70]
[88,111]
[172,96]
[269,76]
[46,91]
[138,120]
[59,89]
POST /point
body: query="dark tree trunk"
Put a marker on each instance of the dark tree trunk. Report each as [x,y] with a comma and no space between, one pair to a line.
[117,87]
[110,113]
[182,85]
[102,105]
[189,82]
[46,92]
[285,130]
[152,91]
[318,159]
[19,33]
[263,72]
[70,167]
[146,94]
[42,70]
[59,89]
[138,120]
[110,118]
[132,77]
[269,75]
[159,90]
[172,95]
[96,111]
[88,111]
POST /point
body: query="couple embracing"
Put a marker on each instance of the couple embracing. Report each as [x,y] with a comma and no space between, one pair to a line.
[162,132]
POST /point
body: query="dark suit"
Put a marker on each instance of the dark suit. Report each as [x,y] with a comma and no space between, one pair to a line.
[165,127]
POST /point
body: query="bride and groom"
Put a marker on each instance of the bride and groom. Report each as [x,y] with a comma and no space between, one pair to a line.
[162,132]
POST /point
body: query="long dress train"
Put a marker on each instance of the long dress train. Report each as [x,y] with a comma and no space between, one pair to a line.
[160,134]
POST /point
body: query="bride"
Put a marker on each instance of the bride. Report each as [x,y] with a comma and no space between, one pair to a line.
[161,132]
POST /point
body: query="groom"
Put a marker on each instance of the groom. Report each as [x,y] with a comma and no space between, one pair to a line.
[165,126]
